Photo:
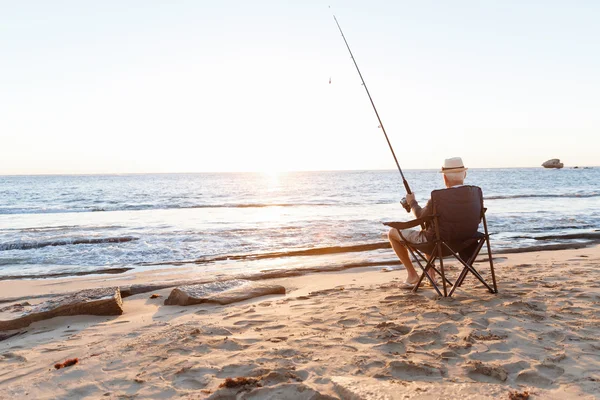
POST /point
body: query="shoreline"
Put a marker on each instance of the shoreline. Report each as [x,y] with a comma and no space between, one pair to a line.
[538,334]
[146,280]
[592,239]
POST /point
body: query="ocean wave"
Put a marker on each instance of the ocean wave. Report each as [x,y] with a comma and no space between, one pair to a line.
[63,242]
[565,236]
[287,272]
[571,236]
[17,211]
[544,196]
[317,251]
[256,205]
[60,228]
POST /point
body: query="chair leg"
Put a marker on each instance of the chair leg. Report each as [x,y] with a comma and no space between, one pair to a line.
[487,241]
[442,268]
[425,269]
[491,266]
[468,267]
[425,274]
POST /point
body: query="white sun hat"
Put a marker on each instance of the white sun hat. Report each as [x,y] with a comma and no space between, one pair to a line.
[454,164]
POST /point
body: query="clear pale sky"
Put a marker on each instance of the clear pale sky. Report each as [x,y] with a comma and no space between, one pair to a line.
[186,86]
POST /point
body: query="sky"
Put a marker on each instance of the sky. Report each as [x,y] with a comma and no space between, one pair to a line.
[194,86]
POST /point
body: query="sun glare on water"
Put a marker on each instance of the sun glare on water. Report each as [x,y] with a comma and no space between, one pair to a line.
[272,179]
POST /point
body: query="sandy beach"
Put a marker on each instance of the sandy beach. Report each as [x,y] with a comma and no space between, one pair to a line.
[350,334]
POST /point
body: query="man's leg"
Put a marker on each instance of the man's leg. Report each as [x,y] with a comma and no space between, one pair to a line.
[402,254]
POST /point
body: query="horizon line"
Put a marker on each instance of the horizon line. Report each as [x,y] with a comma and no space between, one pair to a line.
[270,172]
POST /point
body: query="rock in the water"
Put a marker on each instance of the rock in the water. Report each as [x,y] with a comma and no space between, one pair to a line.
[221,292]
[103,301]
[553,163]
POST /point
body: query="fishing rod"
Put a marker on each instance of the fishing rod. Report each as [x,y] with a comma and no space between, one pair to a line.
[408,191]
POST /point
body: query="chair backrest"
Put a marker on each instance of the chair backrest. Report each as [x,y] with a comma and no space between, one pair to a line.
[459,212]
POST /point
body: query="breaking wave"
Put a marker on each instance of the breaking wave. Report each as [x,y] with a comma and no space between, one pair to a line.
[140,207]
[317,251]
[570,236]
[542,196]
[63,242]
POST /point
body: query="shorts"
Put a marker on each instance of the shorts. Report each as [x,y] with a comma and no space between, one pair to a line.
[413,236]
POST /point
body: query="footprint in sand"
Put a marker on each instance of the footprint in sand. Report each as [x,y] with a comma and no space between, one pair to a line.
[490,373]
[211,330]
[193,378]
[435,315]
[533,378]
[484,336]
[366,340]
[392,299]
[281,376]
[391,347]
[191,383]
[377,365]
[502,347]
[555,336]
[235,370]
[393,328]
[342,346]
[180,351]
[460,348]
[448,354]
[349,322]
[490,356]
[550,371]
[408,370]
[423,336]
[287,352]
[12,357]
[228,344]
[516,367]
[480,323]
[201,350]
[558,357]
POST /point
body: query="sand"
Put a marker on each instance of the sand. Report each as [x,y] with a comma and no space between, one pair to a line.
[350,334]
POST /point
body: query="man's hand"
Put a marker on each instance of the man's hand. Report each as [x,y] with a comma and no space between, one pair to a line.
[410,198]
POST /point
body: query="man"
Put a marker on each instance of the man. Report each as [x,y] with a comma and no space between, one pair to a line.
[454,173]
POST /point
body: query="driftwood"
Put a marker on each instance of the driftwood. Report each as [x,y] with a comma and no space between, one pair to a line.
[225,292]
[104,301]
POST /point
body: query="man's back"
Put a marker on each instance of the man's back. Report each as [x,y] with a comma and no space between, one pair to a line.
[459,212]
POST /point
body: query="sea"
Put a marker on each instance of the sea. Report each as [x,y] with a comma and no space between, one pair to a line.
[245,223]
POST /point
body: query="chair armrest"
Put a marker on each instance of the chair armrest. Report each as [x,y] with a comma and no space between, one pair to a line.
[409,224]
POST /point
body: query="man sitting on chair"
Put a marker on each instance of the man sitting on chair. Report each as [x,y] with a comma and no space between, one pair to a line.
[454,175]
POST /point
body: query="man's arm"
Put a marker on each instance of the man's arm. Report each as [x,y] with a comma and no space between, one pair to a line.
[419,211]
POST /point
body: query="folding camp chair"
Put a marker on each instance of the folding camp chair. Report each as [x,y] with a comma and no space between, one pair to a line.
[457,214]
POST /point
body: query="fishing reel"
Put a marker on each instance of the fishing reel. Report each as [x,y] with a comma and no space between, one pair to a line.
[405,204]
